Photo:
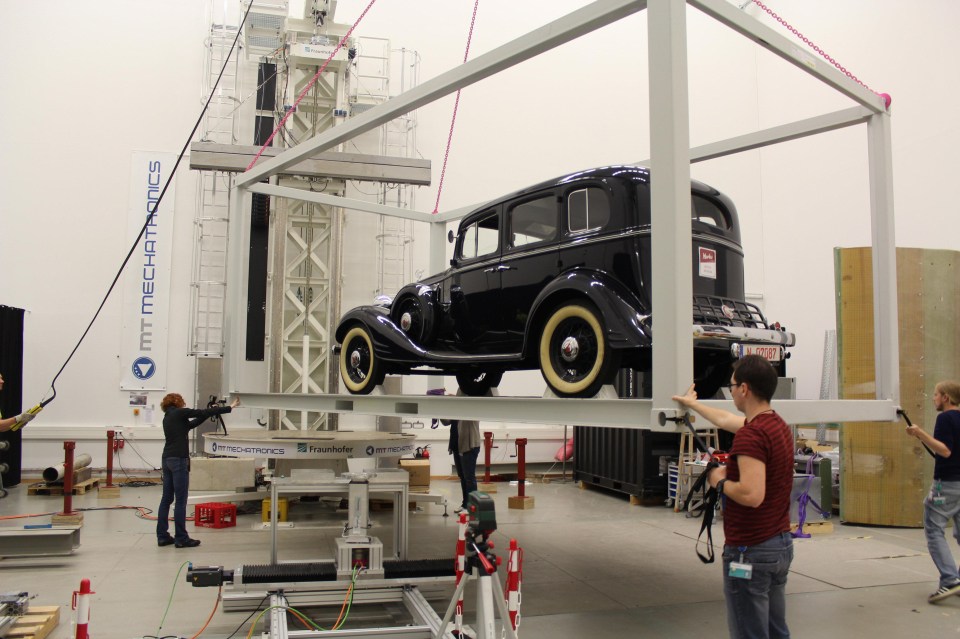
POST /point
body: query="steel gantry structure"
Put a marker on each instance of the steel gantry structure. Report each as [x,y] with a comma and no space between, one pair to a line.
[671,255]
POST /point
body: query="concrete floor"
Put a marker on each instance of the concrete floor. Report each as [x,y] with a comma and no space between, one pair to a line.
[594,566]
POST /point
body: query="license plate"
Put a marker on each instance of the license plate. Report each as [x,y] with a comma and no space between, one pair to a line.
[769,353]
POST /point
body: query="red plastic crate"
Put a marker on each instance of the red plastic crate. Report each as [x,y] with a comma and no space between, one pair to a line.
[215,515]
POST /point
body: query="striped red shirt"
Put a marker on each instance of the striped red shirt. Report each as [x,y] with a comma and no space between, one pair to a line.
[768,439]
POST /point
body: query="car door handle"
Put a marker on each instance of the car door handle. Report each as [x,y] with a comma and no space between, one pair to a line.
[499,267]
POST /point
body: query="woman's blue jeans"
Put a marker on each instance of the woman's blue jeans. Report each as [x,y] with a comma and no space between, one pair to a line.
[176,483]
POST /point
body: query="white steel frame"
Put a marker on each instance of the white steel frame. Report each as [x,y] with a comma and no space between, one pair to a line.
[671,254]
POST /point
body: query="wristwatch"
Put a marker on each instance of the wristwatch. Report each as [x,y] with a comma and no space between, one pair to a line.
[720,486]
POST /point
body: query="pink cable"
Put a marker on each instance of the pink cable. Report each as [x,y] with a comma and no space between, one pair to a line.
[309,86]
[456,105]
[884,96]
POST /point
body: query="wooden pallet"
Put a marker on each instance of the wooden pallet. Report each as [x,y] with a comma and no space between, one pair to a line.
[42,488]
[37,623]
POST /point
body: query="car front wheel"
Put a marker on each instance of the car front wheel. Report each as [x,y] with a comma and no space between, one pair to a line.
[360,367]
[575,359]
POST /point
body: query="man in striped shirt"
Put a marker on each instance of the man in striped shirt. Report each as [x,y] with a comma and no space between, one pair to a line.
[757,481]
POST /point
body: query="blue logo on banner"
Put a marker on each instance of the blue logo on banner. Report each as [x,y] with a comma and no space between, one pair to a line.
[144,368]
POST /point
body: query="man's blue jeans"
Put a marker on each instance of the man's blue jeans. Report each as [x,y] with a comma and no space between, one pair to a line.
[176,482]
[756,607]
[466,464]
[935,518]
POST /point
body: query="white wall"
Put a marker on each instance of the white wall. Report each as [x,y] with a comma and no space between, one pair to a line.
[88,83]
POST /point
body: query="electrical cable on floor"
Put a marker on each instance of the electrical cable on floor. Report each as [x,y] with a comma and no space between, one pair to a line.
[216,605]
[176,580]
[244,622]
[146,224]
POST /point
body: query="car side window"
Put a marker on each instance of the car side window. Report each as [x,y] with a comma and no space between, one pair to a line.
[710,213]
[533,221]
[587,209]
[480,238]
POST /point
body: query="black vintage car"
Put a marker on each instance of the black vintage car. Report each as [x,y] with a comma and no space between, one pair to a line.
[557,277]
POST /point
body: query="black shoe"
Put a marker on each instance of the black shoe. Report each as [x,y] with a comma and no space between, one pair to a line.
[165,541]
[190,543]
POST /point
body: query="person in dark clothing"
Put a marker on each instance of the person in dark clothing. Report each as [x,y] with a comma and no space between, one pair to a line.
[943,502]
[178,421]
[464,445]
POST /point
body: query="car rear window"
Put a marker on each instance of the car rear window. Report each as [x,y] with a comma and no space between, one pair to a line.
[533,221]
[710,213]
[588,209]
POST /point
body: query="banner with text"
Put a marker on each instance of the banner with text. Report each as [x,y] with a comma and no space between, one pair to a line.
[146,295]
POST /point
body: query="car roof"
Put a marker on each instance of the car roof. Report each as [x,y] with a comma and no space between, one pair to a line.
[634,173]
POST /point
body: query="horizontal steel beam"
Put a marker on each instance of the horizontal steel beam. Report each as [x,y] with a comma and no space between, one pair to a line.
[234,158]
[620,413]
[569,27]
[793,51]
[35,542]
[334,200]
[776,135]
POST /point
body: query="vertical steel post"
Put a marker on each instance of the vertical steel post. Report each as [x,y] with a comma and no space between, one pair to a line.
[487,447]
[110,440]
[884,254]
[670,202]
[521,466]
[68,477]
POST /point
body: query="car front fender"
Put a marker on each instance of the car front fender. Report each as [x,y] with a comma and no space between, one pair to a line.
[390,343]
[626,322]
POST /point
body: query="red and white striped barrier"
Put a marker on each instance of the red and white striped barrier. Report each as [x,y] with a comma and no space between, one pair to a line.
[461,568]
[514,577]
[81,603]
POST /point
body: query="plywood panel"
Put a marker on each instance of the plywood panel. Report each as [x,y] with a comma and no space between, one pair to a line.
[885,473]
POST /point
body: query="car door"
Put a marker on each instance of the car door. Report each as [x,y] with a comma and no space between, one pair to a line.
[475,284]
[529,260]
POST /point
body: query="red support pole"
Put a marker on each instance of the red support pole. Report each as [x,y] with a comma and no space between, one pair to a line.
[110,435]
[68,478]
[521,466]
[487,447]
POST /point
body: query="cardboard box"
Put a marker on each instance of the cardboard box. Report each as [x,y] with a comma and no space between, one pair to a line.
[419,470]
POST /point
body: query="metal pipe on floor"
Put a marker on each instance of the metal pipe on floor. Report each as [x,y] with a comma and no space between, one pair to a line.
[58,472]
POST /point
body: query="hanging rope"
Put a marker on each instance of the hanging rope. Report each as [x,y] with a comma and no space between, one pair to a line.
[309,86]
[883,96]
[456,105]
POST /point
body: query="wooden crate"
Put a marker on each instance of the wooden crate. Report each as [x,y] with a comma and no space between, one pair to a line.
[885,473]
[37,623]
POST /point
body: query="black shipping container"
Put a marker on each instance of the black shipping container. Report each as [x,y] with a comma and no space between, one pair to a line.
[624,459]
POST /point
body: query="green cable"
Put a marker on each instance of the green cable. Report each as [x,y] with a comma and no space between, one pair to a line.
[170,600]
[353,580]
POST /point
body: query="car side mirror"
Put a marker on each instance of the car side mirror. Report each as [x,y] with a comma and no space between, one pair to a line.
[450,236]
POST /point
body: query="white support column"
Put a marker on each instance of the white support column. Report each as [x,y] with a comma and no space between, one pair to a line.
[234,320]
[885,325]
[670,203]
[438,263]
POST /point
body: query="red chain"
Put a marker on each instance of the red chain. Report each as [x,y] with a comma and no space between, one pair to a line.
[824,54]
[309,86]
[456,105]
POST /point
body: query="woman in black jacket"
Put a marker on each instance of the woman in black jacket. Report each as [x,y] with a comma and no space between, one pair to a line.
[178,421]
